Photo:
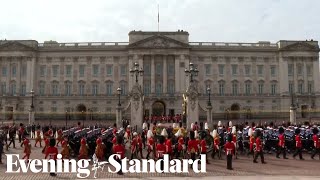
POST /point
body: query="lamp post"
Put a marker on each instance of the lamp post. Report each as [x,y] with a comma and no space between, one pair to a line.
[136,71]
[192,71]
[31,113]
[119,94]
[209,91]
[293,110]
[66,119]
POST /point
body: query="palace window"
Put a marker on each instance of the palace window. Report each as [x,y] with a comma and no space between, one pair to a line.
[146,88]
[95,88]
[260,70]
[247,69]
[4,71]
[260,88]
[68,89]
[3,88]
[290,70]
[55,70]
[273,71]
[234,88]
[234,69]
[123,86]
[290,87]
[13,88]
[82,86]
[300,70]
[68,70]
[300,88]
[81,70]
[147,69]
[123,70]
[309,70]
[95,70]
[159,88]
[42,88]
[23,90]
[248,88]
[171,87]
[43,70]
[207,69]
[159,69]
[273,89]
[14,71]
[55,89]
[310,87]
[109,70]
[109,88]
[171,69]
[24,70]
[221,69]
[221,88]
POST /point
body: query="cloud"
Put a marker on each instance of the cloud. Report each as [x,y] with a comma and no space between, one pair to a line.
[205,20]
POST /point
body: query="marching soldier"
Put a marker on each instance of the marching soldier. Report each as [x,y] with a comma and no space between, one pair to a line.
[281,144]
[60,137]
[99,149]
[46,145]
[139,140]
[251,142]
[203,146]
[229,149]
[12,133]
[27,149]
[161,150]
[298,145]
[52,152]
[134,145]
[316,143]
[216,144]
[181,145]
[114,130]
[83,152]
[65,152]
[259,149]
[193,146]
[168,143]
[119,149]
[38,138]
[150,144]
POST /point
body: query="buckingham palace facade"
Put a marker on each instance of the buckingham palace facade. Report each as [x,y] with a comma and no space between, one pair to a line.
[255,80]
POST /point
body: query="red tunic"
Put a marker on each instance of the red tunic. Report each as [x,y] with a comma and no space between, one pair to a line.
[229,148]
[114,140]
[134,144]
[203,146]
[234,138]
[150,144]
[119,149]
[180,144]
[251,143]
[316,141]
[195,127]
[193,146]
[52,152]
[258,145]
[281,140]
[128,132]
[168,146]
[139,142]
[216,142]
[114,131]
[161,149]
[298,141]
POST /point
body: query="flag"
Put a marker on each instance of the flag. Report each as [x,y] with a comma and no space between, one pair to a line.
[158,14]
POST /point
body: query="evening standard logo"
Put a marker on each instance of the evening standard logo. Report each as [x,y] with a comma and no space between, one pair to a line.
[83,170]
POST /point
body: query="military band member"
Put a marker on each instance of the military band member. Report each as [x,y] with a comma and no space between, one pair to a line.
[38,138]
[216,144]
[281,144]
[203,146]
[139,140]
[119,149]
[27,149]
[99,149]
[259,148]
[51,152]
[134,145]
[46,145]
[181,144]
[150,144]
[193,146]
[169,149]
[83,152]
[229,149]
[60,137]
[316,143]
[65,152]
[298,144]
[251,142]
[161,150]
[234,140]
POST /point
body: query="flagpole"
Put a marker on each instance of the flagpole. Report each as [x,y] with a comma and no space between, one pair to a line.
[158,18]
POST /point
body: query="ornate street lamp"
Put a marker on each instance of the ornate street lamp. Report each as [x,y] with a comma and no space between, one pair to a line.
[119,94]
[136,71]
[66,119]
[32,94]
[209,91]
[193,71]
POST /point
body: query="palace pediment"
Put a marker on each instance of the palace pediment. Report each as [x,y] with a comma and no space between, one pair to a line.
[14,46]
[158,41]
[300,46]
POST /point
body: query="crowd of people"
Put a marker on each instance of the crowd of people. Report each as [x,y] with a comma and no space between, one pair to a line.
[160,139]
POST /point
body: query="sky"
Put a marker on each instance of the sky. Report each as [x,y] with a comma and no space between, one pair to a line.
[205,20]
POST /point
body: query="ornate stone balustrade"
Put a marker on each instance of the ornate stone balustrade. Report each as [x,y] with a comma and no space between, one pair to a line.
[82,44]
[223,44]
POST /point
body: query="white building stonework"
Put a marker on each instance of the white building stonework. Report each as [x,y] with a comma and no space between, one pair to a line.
[247,80]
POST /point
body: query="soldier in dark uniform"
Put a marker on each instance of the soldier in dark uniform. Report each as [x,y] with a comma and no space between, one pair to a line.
[229,149]
[12,133]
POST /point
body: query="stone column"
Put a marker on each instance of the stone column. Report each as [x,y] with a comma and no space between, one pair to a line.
[316,75]
[283,74]
[177,74]
[119,116]
[153,73]
[165,75]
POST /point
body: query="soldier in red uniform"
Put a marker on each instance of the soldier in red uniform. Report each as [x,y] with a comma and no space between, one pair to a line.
[251,142]
[83,152]
[203,146]
[229,149]
[114,130]
[298,145]
[161,150]
[193,146]
[52,153]
[99,149]
[216,144]
[150,144]
[316,143]
[181,144]
[38,138]
[139,140]
[46,145]
[168,144]
[281,144]
[27,149]
[259,149]
[134,145]
[119,149]
[60,137]
[195,127]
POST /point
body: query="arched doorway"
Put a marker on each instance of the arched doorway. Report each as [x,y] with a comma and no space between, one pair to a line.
[158,108]
[81,112]
[304,111]
[235,108]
